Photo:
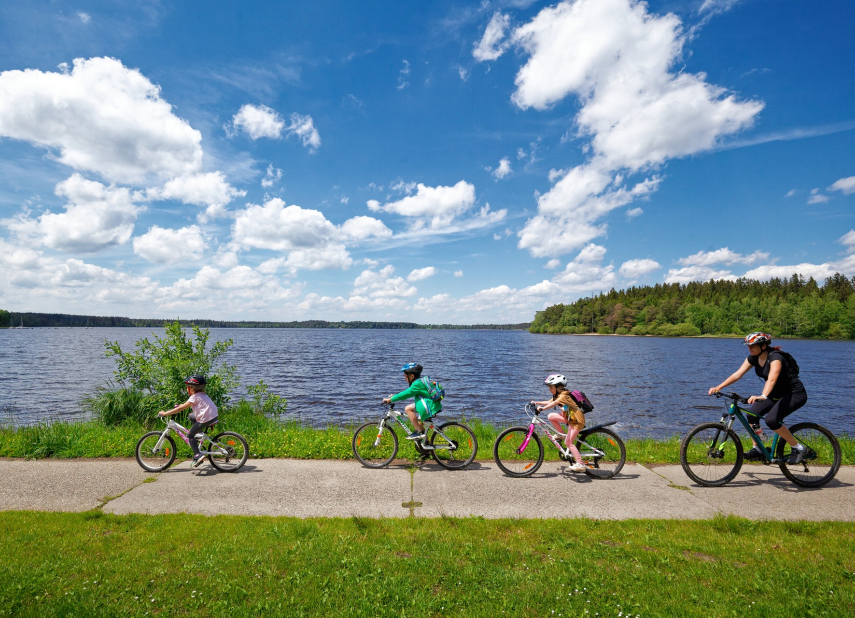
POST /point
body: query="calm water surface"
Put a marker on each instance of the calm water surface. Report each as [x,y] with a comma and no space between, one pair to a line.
[651,386]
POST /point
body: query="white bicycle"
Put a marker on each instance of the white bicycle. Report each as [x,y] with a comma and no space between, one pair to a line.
[227,451]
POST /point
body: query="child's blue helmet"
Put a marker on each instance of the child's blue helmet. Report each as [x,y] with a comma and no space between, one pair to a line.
[413,368]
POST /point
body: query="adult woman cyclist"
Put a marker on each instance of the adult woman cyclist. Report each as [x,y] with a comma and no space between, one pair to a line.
[782,393]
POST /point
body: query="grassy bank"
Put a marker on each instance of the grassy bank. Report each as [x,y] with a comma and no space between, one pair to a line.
[270,438]
[79,564]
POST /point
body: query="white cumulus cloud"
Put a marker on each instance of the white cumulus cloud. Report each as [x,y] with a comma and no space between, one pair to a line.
[205,189]
[722,256]
[272,176]
[439,209]
[96,217]
[419,274]
[636,109]
[492,44]
[503,170]
[688,274]
[381,284]
[311,241]
[258,121]
[632,269]
[163,246]
[846,185]
[100,117]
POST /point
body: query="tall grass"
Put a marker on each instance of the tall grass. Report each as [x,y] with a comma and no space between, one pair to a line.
[113,407]
[269,437]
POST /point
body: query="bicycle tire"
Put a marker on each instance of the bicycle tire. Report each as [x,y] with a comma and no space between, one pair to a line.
[148,459]
[615,454]
[464,446]
[237,451]
[814,471]
[708,460]
[512,462]
[369,454]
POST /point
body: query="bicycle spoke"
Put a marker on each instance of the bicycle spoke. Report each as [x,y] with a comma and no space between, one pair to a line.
[374,449]
[711,455]
[509,457]
[454,445]
[603,453]
[822,461]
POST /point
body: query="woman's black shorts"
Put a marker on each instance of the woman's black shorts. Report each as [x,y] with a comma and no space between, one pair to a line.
[774,411]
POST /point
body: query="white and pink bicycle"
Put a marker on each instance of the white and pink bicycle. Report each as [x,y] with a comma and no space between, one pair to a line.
[518,451]
[227,451]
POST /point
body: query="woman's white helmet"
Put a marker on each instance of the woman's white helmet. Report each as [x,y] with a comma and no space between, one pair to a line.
[556,379]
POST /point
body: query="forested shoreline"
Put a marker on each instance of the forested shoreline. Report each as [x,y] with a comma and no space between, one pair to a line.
[794,307]
[60,320]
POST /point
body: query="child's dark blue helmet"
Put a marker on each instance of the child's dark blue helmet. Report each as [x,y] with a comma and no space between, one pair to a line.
[196,380]
[413,368]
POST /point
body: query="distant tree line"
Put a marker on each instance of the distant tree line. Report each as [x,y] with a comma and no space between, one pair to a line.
[794,307]
[51,320]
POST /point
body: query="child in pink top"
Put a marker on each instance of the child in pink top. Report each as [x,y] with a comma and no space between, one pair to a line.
[204,413]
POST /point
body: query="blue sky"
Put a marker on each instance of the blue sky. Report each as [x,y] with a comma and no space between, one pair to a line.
[430,162]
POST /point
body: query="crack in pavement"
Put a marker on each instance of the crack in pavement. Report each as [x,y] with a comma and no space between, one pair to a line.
[684,488]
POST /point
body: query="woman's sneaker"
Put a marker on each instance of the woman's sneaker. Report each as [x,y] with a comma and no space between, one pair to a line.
[754,454]
[416,435]
[577,467]
[797,453]
[197,460]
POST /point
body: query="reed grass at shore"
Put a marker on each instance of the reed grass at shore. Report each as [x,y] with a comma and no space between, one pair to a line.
[268,437]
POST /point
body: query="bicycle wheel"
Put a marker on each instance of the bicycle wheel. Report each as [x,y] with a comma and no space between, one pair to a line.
[374,450]
[506,452]
[711,456]
[818,467]
[608,464]
[455,447]
[234,451]
[152,459]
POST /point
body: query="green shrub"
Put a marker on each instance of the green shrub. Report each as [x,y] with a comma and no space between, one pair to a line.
[684,329]
[265,403]
[837,331]
[161,366]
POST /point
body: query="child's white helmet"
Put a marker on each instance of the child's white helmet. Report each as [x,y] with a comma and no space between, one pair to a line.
[556,379]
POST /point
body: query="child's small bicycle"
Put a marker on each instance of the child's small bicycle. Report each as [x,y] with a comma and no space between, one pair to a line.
[226,451]
[518,451]
[452,445]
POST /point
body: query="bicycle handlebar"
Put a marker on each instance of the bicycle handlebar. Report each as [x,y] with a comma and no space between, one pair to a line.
[734,396]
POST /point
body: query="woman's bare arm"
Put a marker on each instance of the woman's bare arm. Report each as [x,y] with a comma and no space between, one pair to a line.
[734,377]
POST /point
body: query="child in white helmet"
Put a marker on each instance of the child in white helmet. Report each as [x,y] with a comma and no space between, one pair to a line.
[570,415]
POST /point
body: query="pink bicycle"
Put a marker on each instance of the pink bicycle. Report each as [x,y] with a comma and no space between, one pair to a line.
[518,451]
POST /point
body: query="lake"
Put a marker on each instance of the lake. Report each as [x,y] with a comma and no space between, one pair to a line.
[651,386]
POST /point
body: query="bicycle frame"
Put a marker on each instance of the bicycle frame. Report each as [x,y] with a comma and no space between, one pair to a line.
[735,412]
[183,433]
[393,414]
[550,432]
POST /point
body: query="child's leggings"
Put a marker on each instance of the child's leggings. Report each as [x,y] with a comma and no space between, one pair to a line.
[195,428]
[572,432]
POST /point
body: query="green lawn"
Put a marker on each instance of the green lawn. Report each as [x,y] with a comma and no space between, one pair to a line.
[270,438]
[93,564]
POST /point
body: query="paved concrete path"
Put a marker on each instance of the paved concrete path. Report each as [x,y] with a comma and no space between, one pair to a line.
[301,488]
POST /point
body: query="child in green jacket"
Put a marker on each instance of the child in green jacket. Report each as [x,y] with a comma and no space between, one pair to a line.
[424,407]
